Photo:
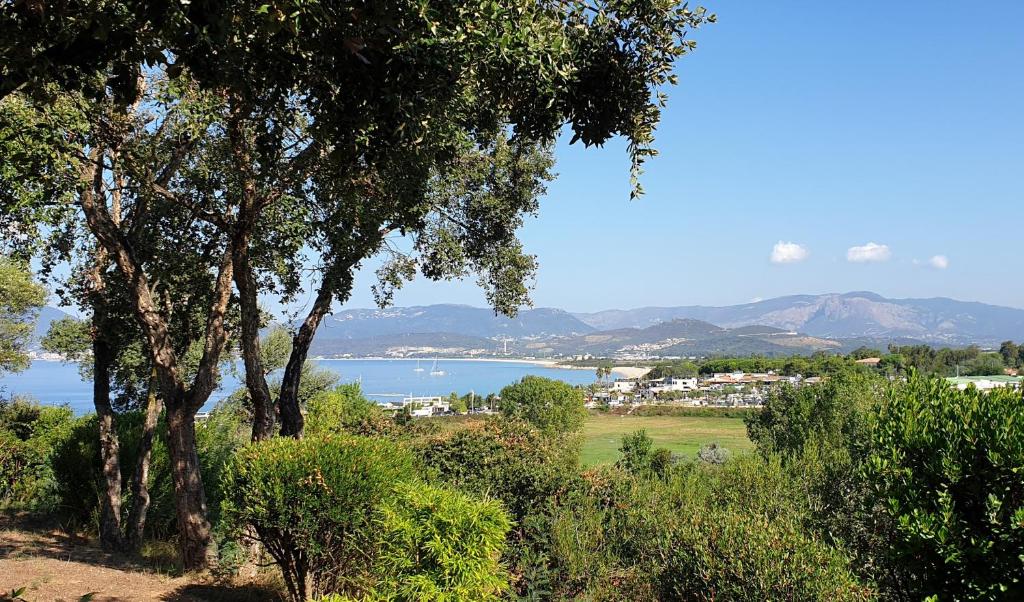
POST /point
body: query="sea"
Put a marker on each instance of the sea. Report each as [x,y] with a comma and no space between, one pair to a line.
[383,380]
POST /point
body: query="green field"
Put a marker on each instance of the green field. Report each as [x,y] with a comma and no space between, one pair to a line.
[683,435]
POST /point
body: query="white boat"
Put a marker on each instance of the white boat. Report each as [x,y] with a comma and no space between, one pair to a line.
[417,368]
[434,371]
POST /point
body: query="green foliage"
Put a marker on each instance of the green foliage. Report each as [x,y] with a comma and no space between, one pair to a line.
[673,369]
[217,439]
[20,299]
[835,410]
[732,532]
[439,545]
[342,409]
[30,435]
[967,361]
[314,504]
[508,460]
[947,467]
[637,449]
[551,405]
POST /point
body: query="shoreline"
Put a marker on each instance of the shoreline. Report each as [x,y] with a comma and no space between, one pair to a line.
[502,360]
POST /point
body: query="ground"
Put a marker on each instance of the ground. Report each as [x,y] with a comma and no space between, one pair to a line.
[683,435]
[53,566]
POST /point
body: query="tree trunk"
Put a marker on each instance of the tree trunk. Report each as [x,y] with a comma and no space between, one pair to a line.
[189,493]
[255,374]
[288,401]
[140,480]
[110,501]
[292,421]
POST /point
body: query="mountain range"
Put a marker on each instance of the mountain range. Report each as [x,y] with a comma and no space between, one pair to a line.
[779,326]
[838,316]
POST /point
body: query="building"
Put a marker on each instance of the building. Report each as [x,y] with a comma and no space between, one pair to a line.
[421,407]
[624,385]
[663,385]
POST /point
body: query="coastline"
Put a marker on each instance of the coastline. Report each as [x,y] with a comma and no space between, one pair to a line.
[505,360]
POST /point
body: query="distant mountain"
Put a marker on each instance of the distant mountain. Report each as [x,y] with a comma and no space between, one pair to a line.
[843,316]
[427,344]
[675,338]
[461,319]
[685,337]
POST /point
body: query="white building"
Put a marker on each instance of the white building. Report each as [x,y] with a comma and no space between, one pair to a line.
[662,385]
[624,385]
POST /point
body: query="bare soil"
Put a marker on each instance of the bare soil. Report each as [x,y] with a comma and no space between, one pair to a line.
[55,566]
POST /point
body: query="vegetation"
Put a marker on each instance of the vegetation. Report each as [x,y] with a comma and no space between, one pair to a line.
[946,465]
[551,405]
[20,298]
[683,435]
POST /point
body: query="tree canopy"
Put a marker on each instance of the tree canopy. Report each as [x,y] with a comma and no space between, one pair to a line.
[20,299]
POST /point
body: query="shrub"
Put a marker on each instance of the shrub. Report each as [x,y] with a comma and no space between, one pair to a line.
[342,409]
[314,504]
[29,435]
[509,460]
[835,411]
[520,466]
[636,450]
[712,453]
[551,405]
[731,532]
[441,546]
[947,469]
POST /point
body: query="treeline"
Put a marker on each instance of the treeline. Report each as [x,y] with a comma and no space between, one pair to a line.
[819,364]
[897,360]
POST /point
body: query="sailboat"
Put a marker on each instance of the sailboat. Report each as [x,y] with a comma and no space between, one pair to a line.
[434,371]
[417,368]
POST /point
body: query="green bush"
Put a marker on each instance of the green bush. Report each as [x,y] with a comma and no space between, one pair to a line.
[314,504]
[441,546]
[551,405]
[29,435]
[835,411]
[520,466]
[731,532]
[506,459]
[947,467]
[342,409]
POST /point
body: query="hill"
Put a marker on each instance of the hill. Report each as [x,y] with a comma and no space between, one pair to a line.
[842,316]
[461,319]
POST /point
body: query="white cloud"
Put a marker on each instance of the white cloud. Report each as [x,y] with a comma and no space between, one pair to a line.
[873,252]
[939,262]
[788,252]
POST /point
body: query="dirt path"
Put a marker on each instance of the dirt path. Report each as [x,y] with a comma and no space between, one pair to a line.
[55,567]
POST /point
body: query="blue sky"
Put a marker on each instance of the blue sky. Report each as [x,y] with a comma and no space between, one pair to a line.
[827,125]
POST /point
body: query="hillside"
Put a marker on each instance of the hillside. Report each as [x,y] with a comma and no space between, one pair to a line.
[842,316]
[462,319]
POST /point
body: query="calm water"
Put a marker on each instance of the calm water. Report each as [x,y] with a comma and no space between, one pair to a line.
[57,383]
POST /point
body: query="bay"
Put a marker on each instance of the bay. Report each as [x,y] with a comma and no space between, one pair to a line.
[55,383]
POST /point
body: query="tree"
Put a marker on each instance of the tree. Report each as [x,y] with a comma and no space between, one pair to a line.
[1011,353]
[268,136]
[20,299]
[551,405]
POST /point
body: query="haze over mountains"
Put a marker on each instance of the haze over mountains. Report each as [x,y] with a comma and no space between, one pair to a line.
[849,315]
[780,326]
[784,325]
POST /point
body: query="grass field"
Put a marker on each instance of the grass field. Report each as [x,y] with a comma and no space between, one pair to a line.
[683,435]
